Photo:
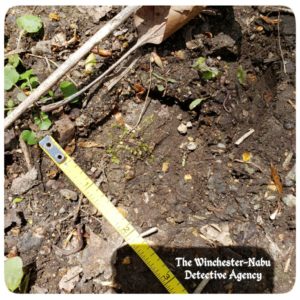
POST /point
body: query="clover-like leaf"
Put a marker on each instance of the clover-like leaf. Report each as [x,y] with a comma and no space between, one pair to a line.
[30,23]
[68,88]
[196,102]
[29,137]
[11,77]
[13,272]
[14,60]
[43,122]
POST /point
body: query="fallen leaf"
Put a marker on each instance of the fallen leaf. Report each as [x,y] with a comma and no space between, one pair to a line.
[70,148]
[259,28]
[217,233]
[119,119]
[156,58]
[140,90]
[89,144]
[165,167]
[187,177]
[53,16]
[70,279]
[276,179]
[126,260]
[270,21]
[246,156]
[156,23]
[104,52]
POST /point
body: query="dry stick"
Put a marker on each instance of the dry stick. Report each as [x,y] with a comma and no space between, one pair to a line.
[201,286]
[279,44]
[147,101]
[69,63]
[25,151]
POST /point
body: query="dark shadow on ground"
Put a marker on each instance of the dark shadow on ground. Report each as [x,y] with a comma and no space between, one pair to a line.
[133,276]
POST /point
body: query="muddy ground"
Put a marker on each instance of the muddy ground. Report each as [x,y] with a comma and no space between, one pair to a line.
[179,170]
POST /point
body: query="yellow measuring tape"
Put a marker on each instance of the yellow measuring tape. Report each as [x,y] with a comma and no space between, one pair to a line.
[112,215]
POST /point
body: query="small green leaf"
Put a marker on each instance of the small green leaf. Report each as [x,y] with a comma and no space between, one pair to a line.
[210,74]
[68,88]
[13,272]
[206,71]
[10,103]
[29,137]
[21,97]
[11,77]
[17,200]
[14,60]
[160,87]
[43,122]
[196,102]
[30,23]
[241,75]
[26,75]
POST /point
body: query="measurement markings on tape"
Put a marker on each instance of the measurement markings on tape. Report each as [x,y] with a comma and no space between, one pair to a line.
[112,215]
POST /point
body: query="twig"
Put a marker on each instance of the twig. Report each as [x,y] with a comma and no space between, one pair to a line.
[56,105]
[54,63]
[242,138]
[19,38]
[69,63]
[147,101]
[25,151]
[145,233]
[279,44]
[201,286]
[249,163]
[292,104]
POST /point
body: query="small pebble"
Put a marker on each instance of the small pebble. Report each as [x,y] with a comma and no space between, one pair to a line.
[222,146]
[189,124]
[68,194]
[179,117]
[289,200]
[182,129]
[192,146]
[62,210]
[289,125]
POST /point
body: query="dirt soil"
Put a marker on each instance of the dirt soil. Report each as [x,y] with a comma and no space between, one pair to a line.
[206,195]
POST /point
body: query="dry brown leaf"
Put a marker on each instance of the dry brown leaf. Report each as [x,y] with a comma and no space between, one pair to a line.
[119,119]
[140,90]
[70,148]
[156,23]
[104,52]
[276,179]
[269,20]
[156,58]
[89,144]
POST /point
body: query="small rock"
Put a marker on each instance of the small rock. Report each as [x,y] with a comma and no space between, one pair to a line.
[61,210]
[189,124]
[289,200]
[42,48]
[70,279]
[10,139]
[30,241]
[179,117]
[11,216]
[116,45]
[54,184]
[68,194]
[288,125]
[65,129]
[221,146]
[290,178]
[182,129]
[192,146]
[24,183]
[223,43]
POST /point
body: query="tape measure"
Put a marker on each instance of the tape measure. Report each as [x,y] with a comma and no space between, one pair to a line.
[112,215]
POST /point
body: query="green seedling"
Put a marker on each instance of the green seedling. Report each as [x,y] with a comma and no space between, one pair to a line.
[207,72]
[30,23]
[17,200]
[241,75]
[14,60]
[43,121]
[68,89]
[9,106]
[31,81]
[196,102]
[171,80]
[11,76]
[29,137]
[13,272]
